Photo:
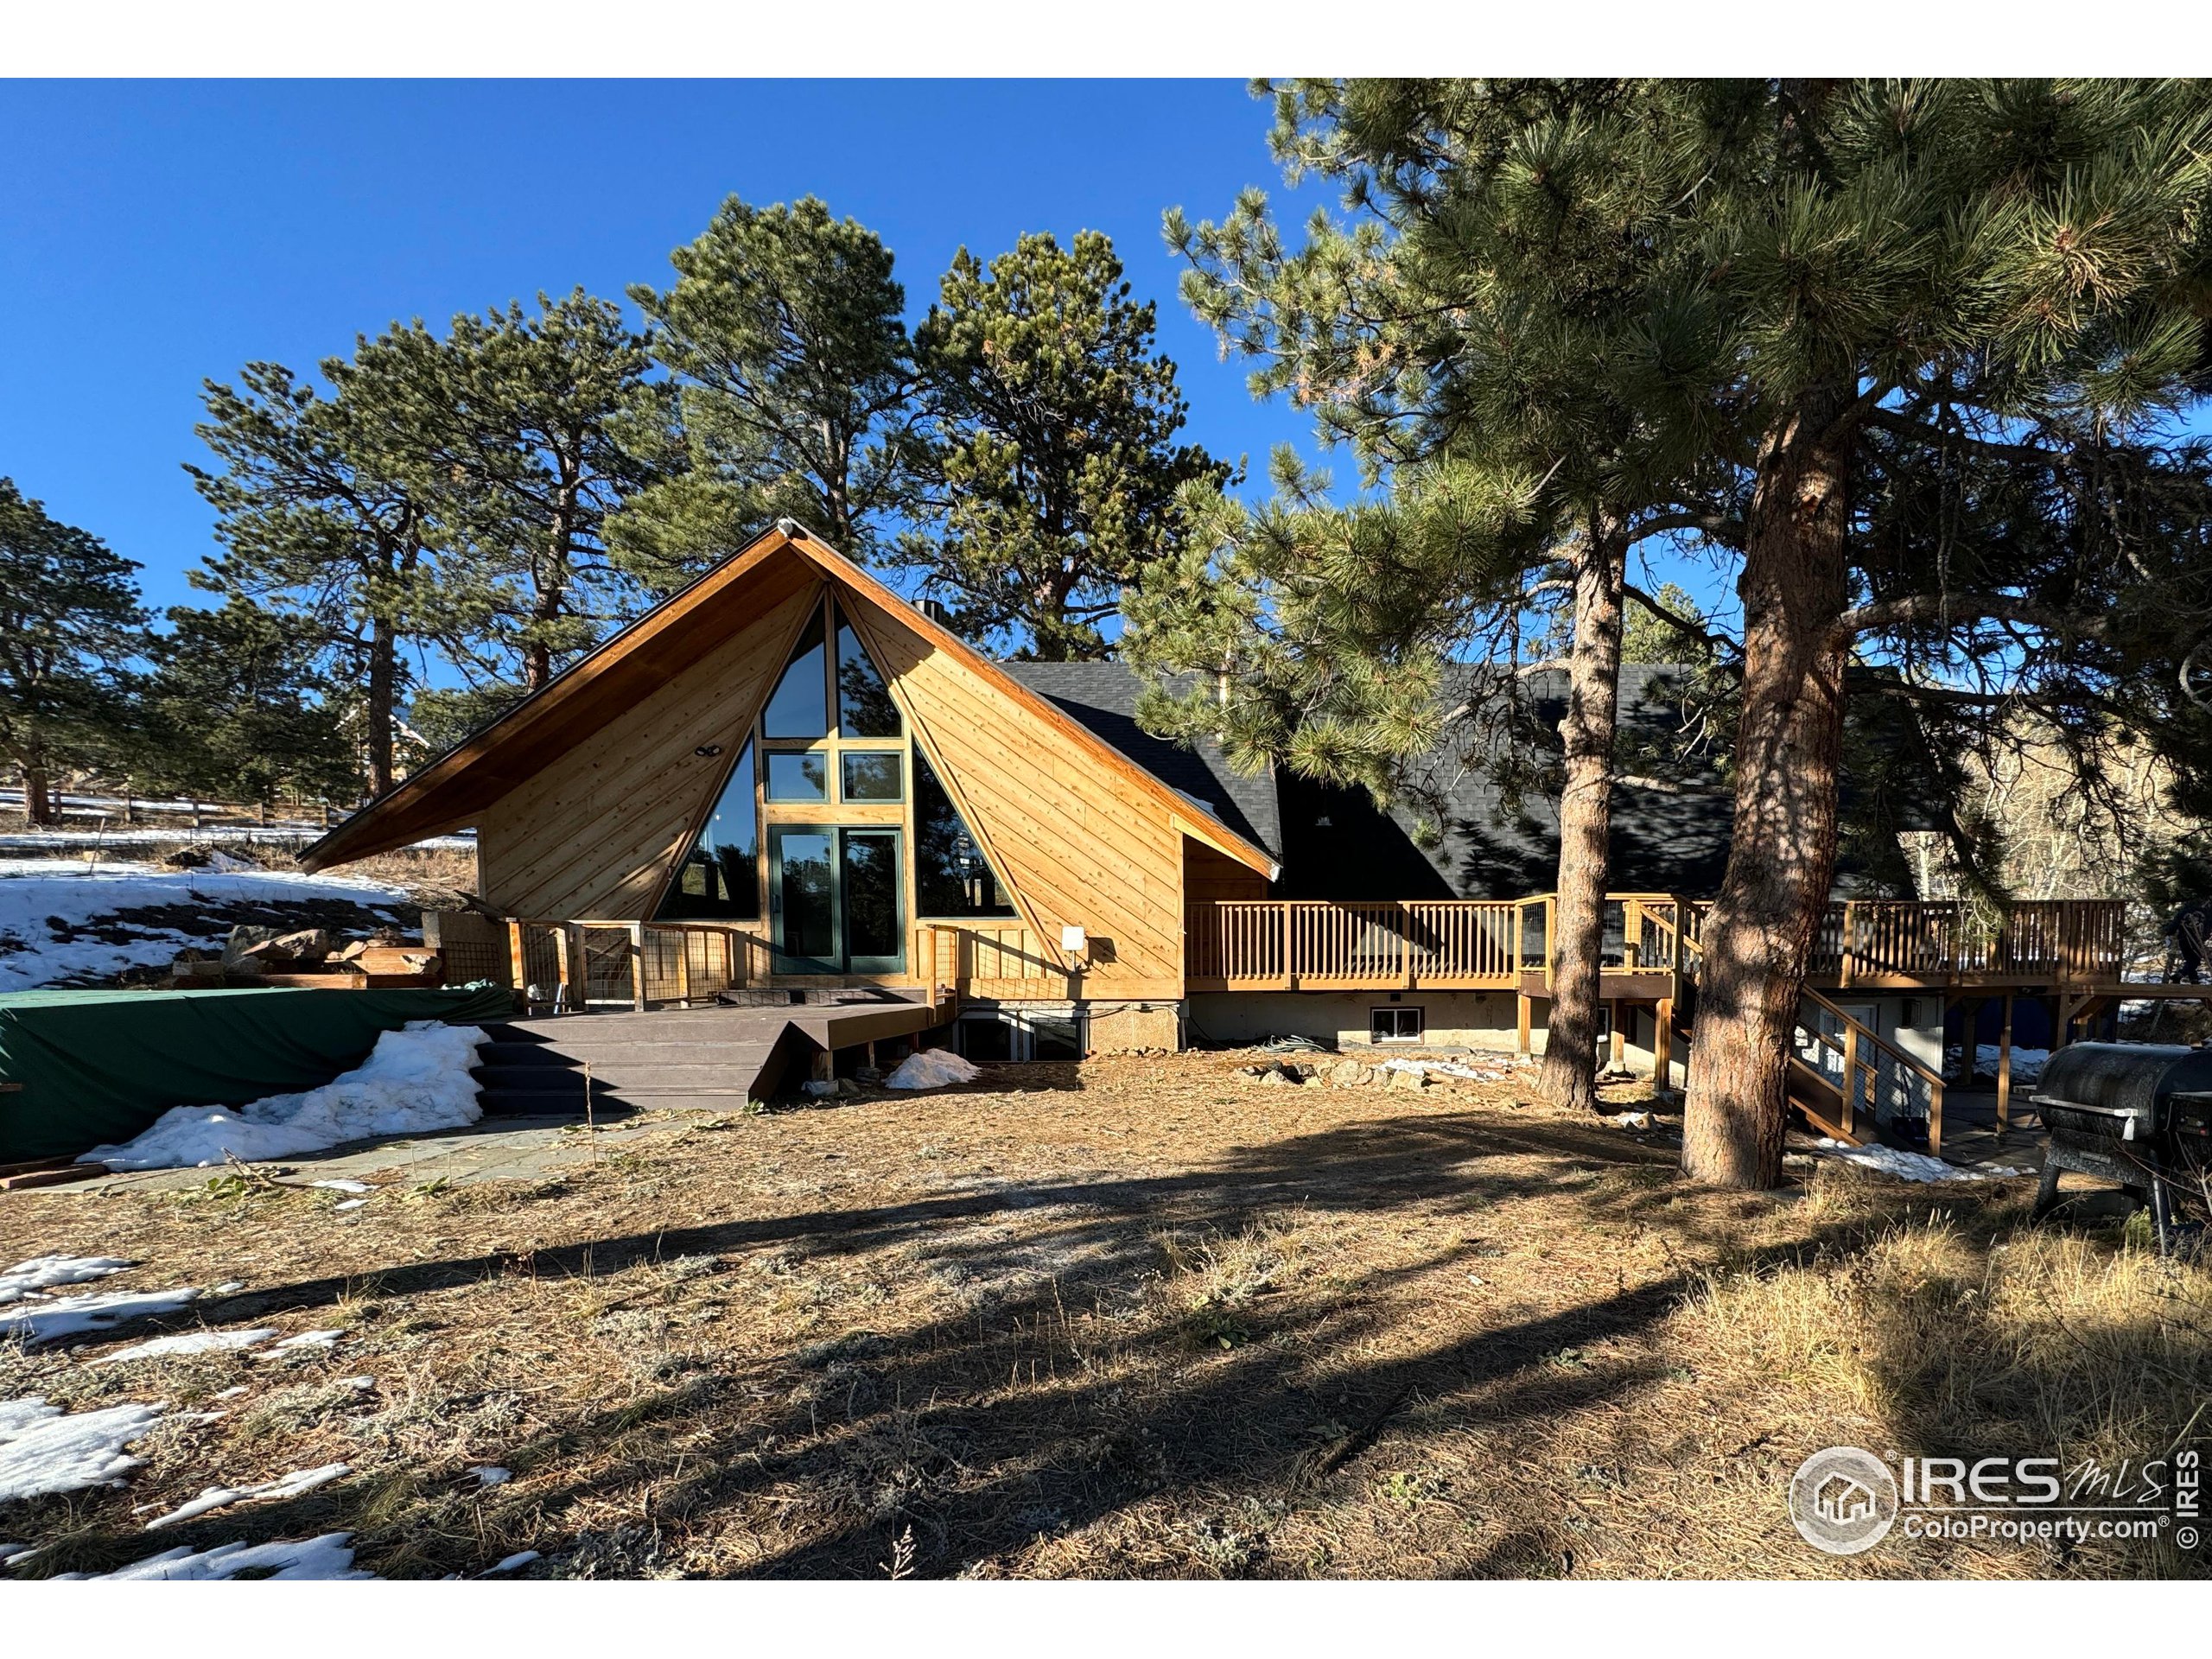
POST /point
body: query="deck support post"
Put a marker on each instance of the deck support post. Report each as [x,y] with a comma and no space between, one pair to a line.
[637,967]
[1662,1046]
[1526,1002]
[564,993]
[1615,1037]
[2004,1070]
[824,1069]
[518,961]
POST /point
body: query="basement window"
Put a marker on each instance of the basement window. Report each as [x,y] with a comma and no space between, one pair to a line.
[1397,1024]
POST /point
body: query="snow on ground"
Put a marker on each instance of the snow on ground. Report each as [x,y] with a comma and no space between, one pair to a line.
[2027,1063]
[221,1498]
[931,1068]
[414,1081]
[330,1556]
[521,1558]
[190,1342]
[342,1185]
[45,1271]
[60,920]
[42,1450]
[1447,1069]
[491,1475]
[1914,1165]
[304,1341]
[47,1319]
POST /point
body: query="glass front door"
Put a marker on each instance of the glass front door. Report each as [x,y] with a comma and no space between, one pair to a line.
[835,899]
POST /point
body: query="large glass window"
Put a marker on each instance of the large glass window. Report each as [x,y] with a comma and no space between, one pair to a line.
[803,777]
[805,886]
[874,775]
[951,876]
[720,878]
[864,704]
[800,704]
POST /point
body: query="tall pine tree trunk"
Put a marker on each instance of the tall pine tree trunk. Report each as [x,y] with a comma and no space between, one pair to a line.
[383,675]
[38,787]
[1759,936]
[1586,819]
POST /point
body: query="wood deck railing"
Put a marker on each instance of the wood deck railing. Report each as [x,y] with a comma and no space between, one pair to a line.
[569,966]
[1493,943]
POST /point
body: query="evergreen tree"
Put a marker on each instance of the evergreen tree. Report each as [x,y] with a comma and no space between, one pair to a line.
[318,524]
[1499,306]
[233,709]
[69,622]
[796,384]
[1052,466]
[521,433]
[1940,327]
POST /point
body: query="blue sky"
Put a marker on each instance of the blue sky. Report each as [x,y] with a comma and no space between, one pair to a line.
[154,234]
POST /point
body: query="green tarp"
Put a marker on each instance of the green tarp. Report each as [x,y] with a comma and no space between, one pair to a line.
[96,1067]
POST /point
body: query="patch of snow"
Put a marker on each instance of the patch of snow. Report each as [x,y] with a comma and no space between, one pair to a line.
[415,1080]
[491,1475]
[349,1204]
[232,1393]
[8,1552]
[36,893]
[47,1318]
[221,1498]
[1913,1165]
[361,1383]
[2027,1063]
[42,1450]
[343,1186]
[192,1342]
[227,1286]
[521,1558]
[330,1556]
[45,1271]
[931,1068]
[1444,1069]
[306,1342]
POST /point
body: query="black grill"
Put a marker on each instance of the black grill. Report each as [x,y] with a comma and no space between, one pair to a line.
[2139,1113]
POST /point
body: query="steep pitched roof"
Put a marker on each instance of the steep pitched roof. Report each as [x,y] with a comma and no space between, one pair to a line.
[462,784]
[1104,696]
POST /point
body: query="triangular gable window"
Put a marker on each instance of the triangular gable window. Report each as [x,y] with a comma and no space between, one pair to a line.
[864,704]
[800,706]
[719,879]
[951,876]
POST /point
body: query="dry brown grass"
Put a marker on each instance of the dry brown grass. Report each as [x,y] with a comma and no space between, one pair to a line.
[1134,1318]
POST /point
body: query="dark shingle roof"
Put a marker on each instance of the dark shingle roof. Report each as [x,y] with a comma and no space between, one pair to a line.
[1338,844]
[1104,696]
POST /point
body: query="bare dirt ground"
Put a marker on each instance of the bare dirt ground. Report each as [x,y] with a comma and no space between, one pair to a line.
[1141,1317]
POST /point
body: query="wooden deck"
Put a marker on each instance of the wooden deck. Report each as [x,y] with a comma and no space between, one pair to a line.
[1481,944]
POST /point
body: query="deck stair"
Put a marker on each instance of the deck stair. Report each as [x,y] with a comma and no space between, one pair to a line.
[712,1058]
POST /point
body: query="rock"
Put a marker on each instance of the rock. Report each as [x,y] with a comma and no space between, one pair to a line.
[847,1088]
[1348,1074]
[868,1073]
[818,1089]
[1409,1080]
[307,944]
[1275,1079]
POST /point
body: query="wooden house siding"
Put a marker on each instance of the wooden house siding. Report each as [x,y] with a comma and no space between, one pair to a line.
[596,832]
[1076,843]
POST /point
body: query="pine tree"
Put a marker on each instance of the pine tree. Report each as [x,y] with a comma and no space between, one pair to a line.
[1051,464]
[1941,329]
[783,332]
[318,524]
[1500,304]
[521,434]
[233,708]
[69,622]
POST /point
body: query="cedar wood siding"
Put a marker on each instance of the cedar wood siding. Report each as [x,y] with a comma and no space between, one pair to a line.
[596,833]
